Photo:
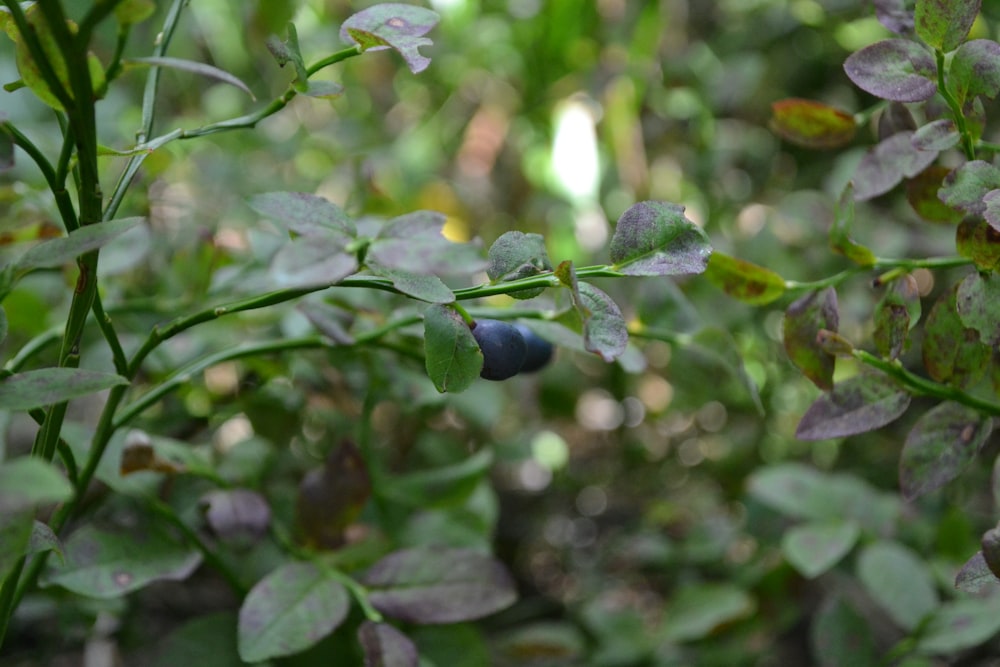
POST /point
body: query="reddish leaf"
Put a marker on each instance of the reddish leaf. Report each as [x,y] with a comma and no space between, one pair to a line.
[980,242]
[804,319]
[744,280]
[894,69]
[939,446]
[863,403]
[812,124]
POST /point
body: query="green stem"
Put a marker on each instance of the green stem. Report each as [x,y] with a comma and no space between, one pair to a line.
[32,348]
[968,144]
[920,385]
[881,264]
[108,330]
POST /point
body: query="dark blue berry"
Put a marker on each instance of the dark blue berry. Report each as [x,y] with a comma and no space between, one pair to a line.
[539,350]
[503,347]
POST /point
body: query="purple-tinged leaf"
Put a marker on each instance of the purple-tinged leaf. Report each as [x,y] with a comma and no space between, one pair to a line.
[894,119]
[938,135]
[841,636]
[979,241]
[895,315]
[744,280]
[303,213]
[991,200]
[896,15]
[840,231]
[331,498]
[385,646]
[392,25]
[413,243]
[899,581]
[894,69]
[975,70]
[960,625]
[804,319]
[516,255]
[922,193]
[36,389]
[965,187]
[815,547]
[109,563]
[858,405]
[289,610]
[975,575]
[952,352]
[27,482]
[452,356]
[238,516]
[430,586]
[939,446]
[312,261]
[656,239]
[201,69]
[812,124]
[943,24]
[59,251]
[978,305]
[605,332]
[885,165]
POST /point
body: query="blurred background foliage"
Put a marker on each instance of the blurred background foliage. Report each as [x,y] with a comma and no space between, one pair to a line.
[618,495]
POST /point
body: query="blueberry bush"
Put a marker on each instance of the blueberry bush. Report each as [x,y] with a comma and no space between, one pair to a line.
[617,334]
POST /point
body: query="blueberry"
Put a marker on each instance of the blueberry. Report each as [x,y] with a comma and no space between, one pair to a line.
[539,350]
[503,347]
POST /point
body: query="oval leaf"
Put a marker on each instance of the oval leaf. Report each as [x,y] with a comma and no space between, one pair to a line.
[975,575]
[109,563]
[744,280]
[975,70]
[56,252]
[385,646]
[951,352]
[27,482]
[432,586]
[605,332]
[303,213]
[899,581]
[885,166]
[922,193]
[695,611]
[812,124]
[414,243]
[978,305]
[960,625]
[939,446]
[943,24]
[965,187]
[451,355]
[655,239]
[858,405]
[290,610]
[894,69]
[312,261]
[392,25]
[813,548]
[841,636]
[517,255]
[804,319]
[36,389]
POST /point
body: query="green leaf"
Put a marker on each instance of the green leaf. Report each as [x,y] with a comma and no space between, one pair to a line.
[943,24]
[975,70]
[978,305]
[111,562]
[446,485]
[303,213]
[804,319]
[310,261]
[840,636]
[960,625]
[27,482]
[385,646]
[938,135]
[201,69]
[744,280]
[605,332]
[812,124]
[451,355]
[56,252]
[840,232]
[899,582]
[36,389]
[289,610]
[130,12]
[953,353]
[43,539]
[979,241]
[815,547]
[975,575]
[939,446]
[965,187]
[392,25]
[439,585]
[895,315]
[426,288]
[858,405]
[414,243]
[202,641]
[517,255]
[15,537]
[894,69]
[695,611]
[922,193]
[656,239]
